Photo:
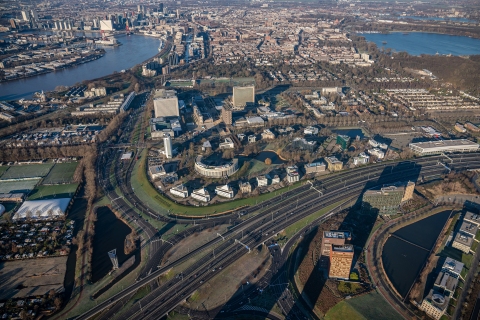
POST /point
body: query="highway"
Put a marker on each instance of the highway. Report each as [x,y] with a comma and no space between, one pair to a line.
[275,215]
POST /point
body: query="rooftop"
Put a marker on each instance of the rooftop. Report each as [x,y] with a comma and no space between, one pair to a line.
[336,234]
[445,144]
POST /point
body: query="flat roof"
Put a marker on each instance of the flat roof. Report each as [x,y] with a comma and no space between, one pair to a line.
[472,217]
[445,144]
[343,248]
[336,234]
[453,266]
[468,227]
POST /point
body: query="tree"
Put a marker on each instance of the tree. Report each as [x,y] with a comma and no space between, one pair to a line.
[268,161]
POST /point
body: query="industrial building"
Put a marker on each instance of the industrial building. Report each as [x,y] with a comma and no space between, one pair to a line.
[179,191]
[333,164]
[243,96]
[443,146]
[51,209]
[341,257]
[315,167]
[165,103]
[220,171]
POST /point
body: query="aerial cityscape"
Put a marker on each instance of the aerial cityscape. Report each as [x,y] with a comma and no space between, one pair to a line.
[245,159]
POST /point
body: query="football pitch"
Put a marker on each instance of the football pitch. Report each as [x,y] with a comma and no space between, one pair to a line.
[61,173]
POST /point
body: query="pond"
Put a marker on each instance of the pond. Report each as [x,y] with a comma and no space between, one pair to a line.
[352,133]
[110,233]
[269,154]
[404,260]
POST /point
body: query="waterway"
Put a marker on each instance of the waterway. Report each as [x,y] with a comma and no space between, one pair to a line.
[417,43]
[352,133]
[402,260]
[134,50]
[110,233]
[453,19]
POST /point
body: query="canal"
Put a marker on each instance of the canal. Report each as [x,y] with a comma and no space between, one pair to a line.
[110,233]
[134,50]
[404,260]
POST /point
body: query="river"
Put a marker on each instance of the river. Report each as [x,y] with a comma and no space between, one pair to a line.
[402,260]
[417,43]
[134,50]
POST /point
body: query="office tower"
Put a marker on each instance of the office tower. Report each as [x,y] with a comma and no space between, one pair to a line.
[25,15]
[167,142]
[341,257]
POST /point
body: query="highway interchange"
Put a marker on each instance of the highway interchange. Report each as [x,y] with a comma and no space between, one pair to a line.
[253,226]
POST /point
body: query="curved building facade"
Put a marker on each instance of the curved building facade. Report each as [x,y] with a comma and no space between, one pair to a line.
[216,171]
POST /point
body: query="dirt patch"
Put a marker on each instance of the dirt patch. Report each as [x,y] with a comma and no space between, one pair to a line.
[453,183]
[26,278]
[193,242]
[232,280]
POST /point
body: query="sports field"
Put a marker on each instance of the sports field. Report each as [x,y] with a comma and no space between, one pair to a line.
[27,171]
[61,173]
[52,192]
[3,169]
[18,186]
[361,308]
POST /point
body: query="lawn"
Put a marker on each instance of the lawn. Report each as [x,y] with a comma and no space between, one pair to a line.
[61,173]
[372,306]
[343,310]
[51,192]
[457,255]
[163,205]
[18,186]
[27,171]
[3,169]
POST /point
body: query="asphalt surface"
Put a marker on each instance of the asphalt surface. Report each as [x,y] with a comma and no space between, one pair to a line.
[277,213]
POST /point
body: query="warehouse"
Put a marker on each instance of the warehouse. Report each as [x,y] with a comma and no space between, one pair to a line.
[443,146]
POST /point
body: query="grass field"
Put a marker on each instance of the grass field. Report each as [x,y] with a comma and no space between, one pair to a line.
[381,310]
[343,310]
[3,169]
[18,186]
[51,192]
[147,193]
[61,173]
[27,171]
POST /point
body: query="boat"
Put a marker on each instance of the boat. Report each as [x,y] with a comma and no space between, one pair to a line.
[384,42]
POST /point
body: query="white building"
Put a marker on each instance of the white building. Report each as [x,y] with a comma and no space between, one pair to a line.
[167,142]
[435,304]
[377,153]
[179,191]
[228,144]
[106,25]
[225,191]
[442,146]
[362,158]
[156,171]
[262,181]
[242,96]
[50,209]
[201,195]
[292,174]
[310,130]
[165,103]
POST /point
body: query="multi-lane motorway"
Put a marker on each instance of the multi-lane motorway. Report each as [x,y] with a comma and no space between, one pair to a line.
[274,215]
